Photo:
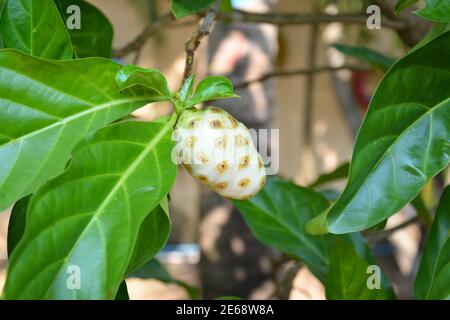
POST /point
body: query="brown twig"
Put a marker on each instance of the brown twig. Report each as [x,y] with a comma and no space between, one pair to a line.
[283,19]
[280,19]
[202,30]
[139,41]
[297,72]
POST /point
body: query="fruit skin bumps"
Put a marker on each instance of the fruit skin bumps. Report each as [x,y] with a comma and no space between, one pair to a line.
[218,151]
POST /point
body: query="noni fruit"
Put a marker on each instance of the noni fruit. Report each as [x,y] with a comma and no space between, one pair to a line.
[218,151]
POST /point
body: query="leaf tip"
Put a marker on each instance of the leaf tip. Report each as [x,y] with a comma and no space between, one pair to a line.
[318,225]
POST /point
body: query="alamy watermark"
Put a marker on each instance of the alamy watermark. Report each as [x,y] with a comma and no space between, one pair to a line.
[374,20]
[74,19]
[374,280]
[73,281]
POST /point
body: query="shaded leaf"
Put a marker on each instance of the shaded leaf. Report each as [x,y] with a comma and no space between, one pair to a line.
[16,225]
[94,38]
[131,76]
[213,88]
[122,293]
[349,276]
[36,28]
[46,107]
[183,8]
[436,10]
[403,142]
[433,277]
[372,57]
[340,172]
[153,235]
[403,4]
[90,216]
[276,216]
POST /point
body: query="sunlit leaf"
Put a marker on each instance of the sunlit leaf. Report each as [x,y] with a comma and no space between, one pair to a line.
[89,218]
[36,28]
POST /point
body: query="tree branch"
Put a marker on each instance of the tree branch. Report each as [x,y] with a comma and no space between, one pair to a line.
[202,30]
[296,72]
[279,19]
[283,19]
[415,28]
[140,40]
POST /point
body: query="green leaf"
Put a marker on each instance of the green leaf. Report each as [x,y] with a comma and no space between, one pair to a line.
[403,4]
[340,172]
[46,107]
[153,235]
[372,57]
[36,28]
[226,6]
[90,216]
[436,10]
[122,293]
[16,225]
[2,3]
[350,273]
[94,38]
[154,269]
[277,215]
[213,88]
[183,8]
[433,278]
[131,76]
[402,144]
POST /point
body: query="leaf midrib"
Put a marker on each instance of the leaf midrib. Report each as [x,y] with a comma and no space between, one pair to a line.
[119,184]
[292,231]
[75,117]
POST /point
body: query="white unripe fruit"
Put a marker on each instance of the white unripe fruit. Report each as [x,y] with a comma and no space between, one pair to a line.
[218,151]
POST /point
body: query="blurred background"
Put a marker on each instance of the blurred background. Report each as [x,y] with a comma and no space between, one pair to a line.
[290,78]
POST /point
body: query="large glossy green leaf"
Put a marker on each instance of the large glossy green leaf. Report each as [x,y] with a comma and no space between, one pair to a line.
[46,107]
[36,28]
[212,88]
[436,10]
[183,8]
[433,278]
[134,76]
[370,56]
[91,215]
[403,142]
[94,38]
[277,215]
[153,235]
[350,271]
[403,4]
